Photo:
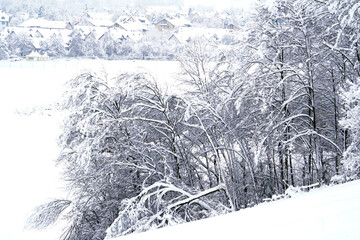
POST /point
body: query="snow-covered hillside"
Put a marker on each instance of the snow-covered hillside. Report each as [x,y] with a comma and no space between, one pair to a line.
[329,213]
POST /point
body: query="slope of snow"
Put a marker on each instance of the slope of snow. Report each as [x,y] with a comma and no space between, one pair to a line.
[329,213]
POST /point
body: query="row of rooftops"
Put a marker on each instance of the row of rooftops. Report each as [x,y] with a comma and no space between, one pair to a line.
[100,26]
[105,19]
[123,22]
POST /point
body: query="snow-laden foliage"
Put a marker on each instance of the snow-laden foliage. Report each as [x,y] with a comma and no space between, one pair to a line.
[163,204]
[47,214]
[351,121]
[76,45]
[4,51]
[55,47]
[20,44]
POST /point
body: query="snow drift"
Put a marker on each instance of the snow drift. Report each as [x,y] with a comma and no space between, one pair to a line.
[326,213]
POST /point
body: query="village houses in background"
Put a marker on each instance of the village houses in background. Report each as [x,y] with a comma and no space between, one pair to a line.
[170,27]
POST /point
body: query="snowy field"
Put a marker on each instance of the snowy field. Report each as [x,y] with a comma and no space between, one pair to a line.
[29,126]
[330,213]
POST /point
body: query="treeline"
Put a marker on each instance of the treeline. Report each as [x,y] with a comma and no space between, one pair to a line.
[282,111]
[153,45]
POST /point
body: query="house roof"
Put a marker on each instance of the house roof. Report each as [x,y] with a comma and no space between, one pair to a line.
[99,15]
[135,26]
[43,23]
[86,30]
[101,22]
[4,17]
[44,33]
[133,23]
[177,22]
[164,21]
[34,54]
[116,34]
[124,19]
[180,22]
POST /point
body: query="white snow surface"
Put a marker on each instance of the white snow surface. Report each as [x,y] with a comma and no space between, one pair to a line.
[29,127]
[328,213]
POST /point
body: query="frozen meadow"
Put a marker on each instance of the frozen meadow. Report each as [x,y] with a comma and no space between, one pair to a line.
[29,128]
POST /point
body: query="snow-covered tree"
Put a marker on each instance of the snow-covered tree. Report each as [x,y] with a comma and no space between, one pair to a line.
[108,45]
[4,51]
[19,44]
[56,47]
[92,47]
[76,46]
[351,121]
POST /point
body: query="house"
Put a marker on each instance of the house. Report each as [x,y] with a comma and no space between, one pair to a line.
[98,15]
[117,25]
[84,31]
[135,27]
[125,19]
[231,27]
[118,35]
[35,56]
[130,19]
[4,21]
[46,24]
[84,22]
[101,22]
[181,22]
[133,24]
[170,24]
[164,25]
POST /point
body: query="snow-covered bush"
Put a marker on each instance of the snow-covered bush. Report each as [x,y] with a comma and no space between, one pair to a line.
[338,179]
[163,204]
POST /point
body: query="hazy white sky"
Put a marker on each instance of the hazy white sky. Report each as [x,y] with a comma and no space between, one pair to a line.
[219,4]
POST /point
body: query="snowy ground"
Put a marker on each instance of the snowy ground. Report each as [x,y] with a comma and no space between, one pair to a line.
[330,213]
[29,126]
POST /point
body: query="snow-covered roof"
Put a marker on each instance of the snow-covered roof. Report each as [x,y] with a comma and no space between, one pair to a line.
[34,54]
[116,34]
[124,19]
[43,23]
[17,30]
[4,17]
[143,20]
[136,36]
[47,33]
[101,22]
[135,27]
[180,22]
[130,19]
[86,30]
[99,15]
[98,32]
[84,22]
[39,32]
